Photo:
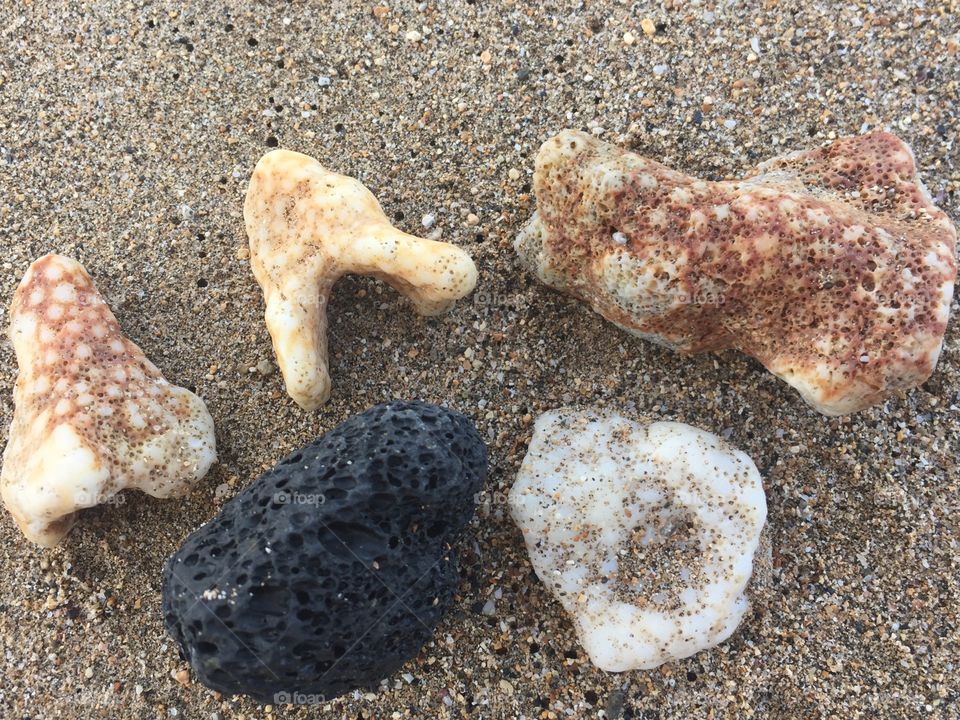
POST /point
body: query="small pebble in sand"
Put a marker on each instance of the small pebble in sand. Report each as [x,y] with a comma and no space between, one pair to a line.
[331,570]
[308,226]
[645,534]
[93,415]
[813,261]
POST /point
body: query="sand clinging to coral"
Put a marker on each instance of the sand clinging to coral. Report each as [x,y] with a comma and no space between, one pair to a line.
[830,266]
[93,414]
[308,226]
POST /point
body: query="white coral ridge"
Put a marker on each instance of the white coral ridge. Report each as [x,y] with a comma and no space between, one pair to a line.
[307,227]
[92,414]
[645,534]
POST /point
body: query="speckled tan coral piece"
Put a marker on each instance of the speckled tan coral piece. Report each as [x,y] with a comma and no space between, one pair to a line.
[831,266]
[308,226]
[93,415]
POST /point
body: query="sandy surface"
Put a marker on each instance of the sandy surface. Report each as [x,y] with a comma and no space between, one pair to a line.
[126,138]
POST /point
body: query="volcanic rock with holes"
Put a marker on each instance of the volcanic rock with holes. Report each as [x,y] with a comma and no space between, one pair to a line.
[645,534]
[92,414]
[332,569]
[830,266]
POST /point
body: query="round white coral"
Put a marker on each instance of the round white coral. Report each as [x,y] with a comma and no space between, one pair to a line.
[646,534]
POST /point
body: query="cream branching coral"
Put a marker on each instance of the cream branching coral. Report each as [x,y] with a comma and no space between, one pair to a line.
[830,266]
[307,227]
[92,414]
[645,534]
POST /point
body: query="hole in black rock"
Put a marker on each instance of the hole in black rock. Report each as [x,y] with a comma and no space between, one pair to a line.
[357,539]
[302,650]
[437,529]
[268,600]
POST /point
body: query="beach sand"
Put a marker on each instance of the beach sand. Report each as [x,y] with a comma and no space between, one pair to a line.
[127,135]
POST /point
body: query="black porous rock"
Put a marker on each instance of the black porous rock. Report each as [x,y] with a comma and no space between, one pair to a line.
[332,569]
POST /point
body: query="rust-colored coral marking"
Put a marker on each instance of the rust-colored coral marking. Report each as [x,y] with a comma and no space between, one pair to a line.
[93,415]
[831,266]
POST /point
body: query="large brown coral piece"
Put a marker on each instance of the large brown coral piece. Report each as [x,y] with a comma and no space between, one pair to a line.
[830,266]
[93,415]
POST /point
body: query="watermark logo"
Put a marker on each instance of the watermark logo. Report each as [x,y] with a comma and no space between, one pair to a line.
[487,298]
[292,498]
[702,297]
[84,498]
[494,498]
[298,698]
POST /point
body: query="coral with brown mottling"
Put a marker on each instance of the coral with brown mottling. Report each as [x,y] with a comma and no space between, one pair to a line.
[830,266]
[93,415]
[308,226]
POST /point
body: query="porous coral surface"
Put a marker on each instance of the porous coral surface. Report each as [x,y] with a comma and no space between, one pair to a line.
[308,226]
[831,266]
[93,415]
[645,534]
